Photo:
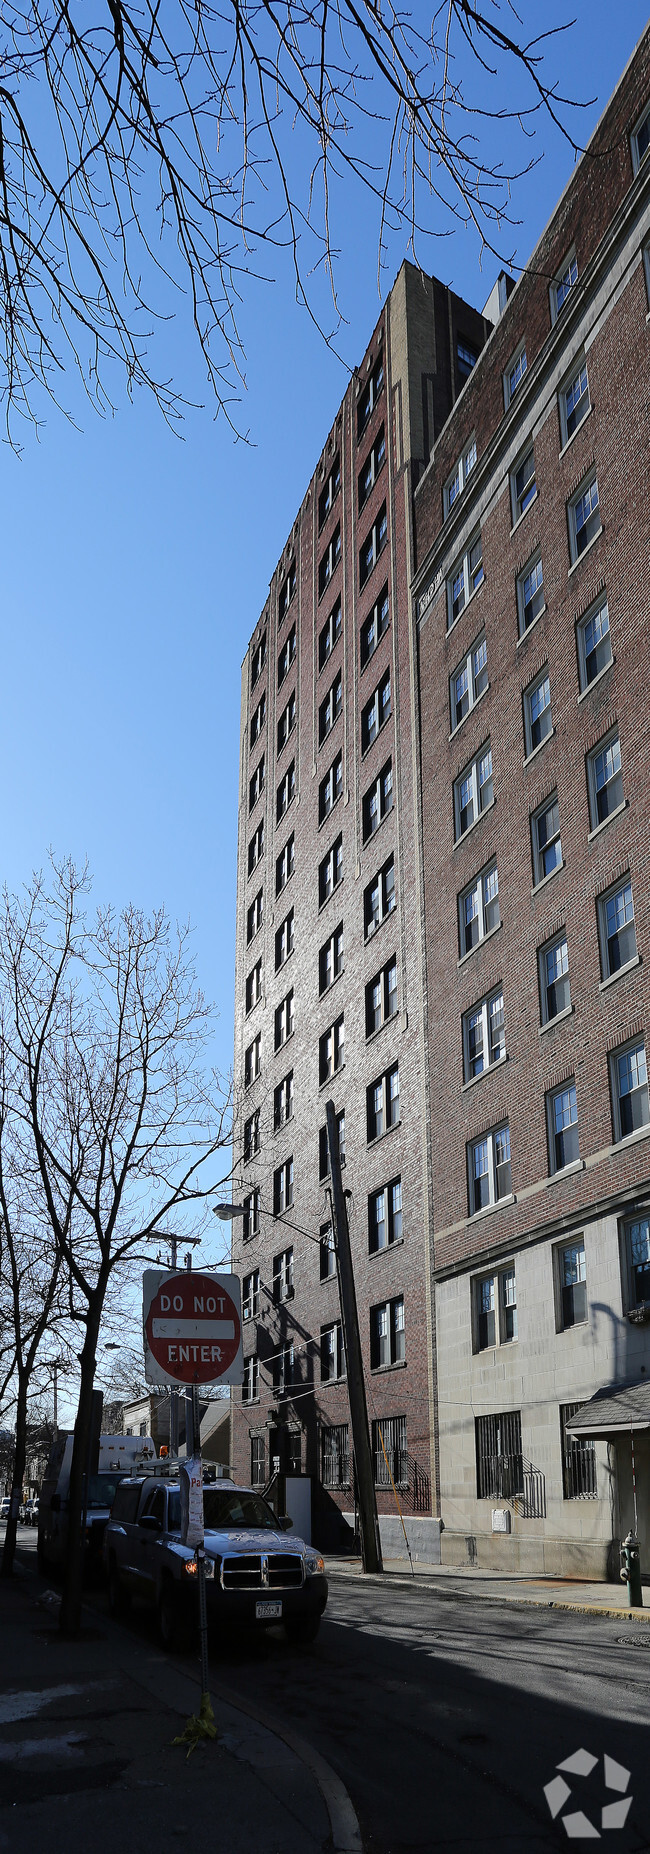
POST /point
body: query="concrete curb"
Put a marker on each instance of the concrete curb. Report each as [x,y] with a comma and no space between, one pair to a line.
[480,1596]
[346,1833]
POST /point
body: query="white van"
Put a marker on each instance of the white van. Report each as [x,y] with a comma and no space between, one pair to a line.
[118,1456]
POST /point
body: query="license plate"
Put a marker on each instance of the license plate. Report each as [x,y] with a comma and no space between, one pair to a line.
[268,1612]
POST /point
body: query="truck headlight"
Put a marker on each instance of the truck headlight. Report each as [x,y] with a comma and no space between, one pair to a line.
[314,1566]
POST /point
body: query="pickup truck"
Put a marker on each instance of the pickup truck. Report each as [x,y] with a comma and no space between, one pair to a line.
[256,1575]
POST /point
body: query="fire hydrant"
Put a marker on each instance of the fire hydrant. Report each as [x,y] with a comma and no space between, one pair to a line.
[631,1571]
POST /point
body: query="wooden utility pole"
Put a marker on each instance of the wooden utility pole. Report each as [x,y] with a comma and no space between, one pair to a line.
[370,1540]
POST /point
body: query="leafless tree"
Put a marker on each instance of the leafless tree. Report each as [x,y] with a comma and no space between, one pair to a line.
[151,153]
[31,1291]
[110,1119]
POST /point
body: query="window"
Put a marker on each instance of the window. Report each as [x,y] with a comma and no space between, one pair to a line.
[330,960]
[283,1188]
[390,1458]
[554,978]
[578,1459]
[379,898]
[385,1216]
[323,1147]
[284,941]
[283,1101]
[489,1169]
[373,464]
[574,402]
[254,986]
[286,792]
[484,1035]
[375,625]
[499,1460]
[327,1252]
[258,1459]
[594,644]
[330,789]
[468,682]
[378,801]
[332,1354]
[465,580]
[605,780]
[258,719]
[373,546]
[250,1295]
[331,1051]
[584,519]
[287,721]
[258,660]
[287,590]
[381,998]
[473,791]
[546,839]
[335,1445]
[252,1137]
[387,1335]
[252,1060]
[283,1276]
[250,1389]
[329,561]
[254,917]
[285,864]
[330,709]
[382,1104]
[330,872]
[530,594]
[495,1309]
[455,483]
[641,139]
[478,909]
[538,723]
[375,713]
[572,1280]
[251,1222]
[284,1020]
[466,358]
[617,929]
[637,1249]
[369,396]
[523,485]
[564,282]
[630,1090]
[514,373]
[287,655]
[330,634]
[256,786]
[329,492]
[562,1116]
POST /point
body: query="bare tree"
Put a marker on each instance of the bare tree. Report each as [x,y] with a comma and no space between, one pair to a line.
[110,1119]
[30,1284]
[148,153]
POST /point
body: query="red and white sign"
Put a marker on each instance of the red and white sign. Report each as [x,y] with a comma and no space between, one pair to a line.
[192,1328]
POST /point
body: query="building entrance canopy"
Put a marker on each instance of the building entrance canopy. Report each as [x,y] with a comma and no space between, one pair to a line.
[612,1412]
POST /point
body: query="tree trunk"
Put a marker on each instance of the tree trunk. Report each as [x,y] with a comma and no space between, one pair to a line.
[70,1613]
[20,1457]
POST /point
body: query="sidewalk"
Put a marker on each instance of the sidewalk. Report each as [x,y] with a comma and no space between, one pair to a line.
[86,1754]
[465,1581]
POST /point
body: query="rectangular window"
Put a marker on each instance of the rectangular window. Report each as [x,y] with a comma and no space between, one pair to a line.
[254,917]
[330,871]
[258,1460]
[495,1309]
[329,561]
[332,1354]
[641,139]
[466,358]
[473,791]
[514,373]
[468,682]
[375,713]
[478,909]
[563,283]
[251,1221]
[637,1250]
[546,839]
[330,789]
[530,594]
[373,465]
[283,1369]
[250,1389]
[584,518]
[287,655]
[455,483]
[381,998]
[578,1460]
[466,578]
[572,1277]
[331,1051]
[283,1101]
[252,1060]
[330,960]
[335,1446]
[329,492]
[484,1035]
[327,1252]
[499,1460]
[387,1335]
[287,721]
[258,719]
[252,1136]
[389,1454]
[254,986]
[594,643]
[382,1104]
[285,864]
[574,402]
[258,660]
[489,1171]
[283,1188]
[368,398]
[287,591]
[373,546]
[523,485]
[538,721]
[286,792]
[284,941]
[250,1295]
[605,780]
[283,1275]
[630,1090]
[554,987]
[330,709]
[256,786]
[284,1020]
[617,928]
[378,801]
[385,1216]
[323,1146]
[374,627]
[329,635]
[562,1118]
[379,898]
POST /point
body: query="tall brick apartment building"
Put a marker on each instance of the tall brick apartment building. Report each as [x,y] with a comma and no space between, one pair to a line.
[443,907]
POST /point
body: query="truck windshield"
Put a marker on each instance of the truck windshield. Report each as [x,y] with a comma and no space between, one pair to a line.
[101,1488]
[224,1507]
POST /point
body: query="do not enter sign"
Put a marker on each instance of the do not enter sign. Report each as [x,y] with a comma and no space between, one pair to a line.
[192,1328]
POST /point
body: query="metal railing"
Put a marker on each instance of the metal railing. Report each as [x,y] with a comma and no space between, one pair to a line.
[515,1480]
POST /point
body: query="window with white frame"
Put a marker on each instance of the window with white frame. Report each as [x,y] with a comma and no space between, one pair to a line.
[283,1101]
[256,786]
[255,916]
[252,1135]
[379,898]
[646,266]
[284,1020]
[330,561]
[283,1187]
[283,1276]
[329,635]
[330,708]
[258,719]
[531,600]
[389,1452]
[254,986]
[617,928]
[605,780]
[287,591]
[284,940]
[331,1051]
[641,139]
[287,655]
[468,683]
[636,1236]
[250,1389]
[465,580]
[629,1077]
[285,864]
[258,1461]
[375,713]
[287,721]
[286,792]
[258,660]
[387,1334]
[330,871]
[382,1104]
[335,1448]
[584,518]
[253,1060]
[455,483]
[554,988]
[546,839]
[538,722]
[562,1122]
[373,465]
[495,1309]
[374,626]
[370,394]
[332,1352]
[523,484]
[252,1208]
[330,960]
[330,789]
[514,373]
[484,1035]
[250,1295]
[499,1459]
[373,546]
[488,1166]
[571,1264]
[478,909]
[385,1216]
[329,492]
[256,847]
[563,284]
[378,801]
[594,643]
[473,791]
[323,1146]
[381,997]
[327,1252]
[574,401]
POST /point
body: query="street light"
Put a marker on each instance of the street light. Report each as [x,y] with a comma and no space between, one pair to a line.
[228,1212]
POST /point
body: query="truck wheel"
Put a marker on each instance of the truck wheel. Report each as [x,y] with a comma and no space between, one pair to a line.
[119,1599]
[173,1621]
[302,1629]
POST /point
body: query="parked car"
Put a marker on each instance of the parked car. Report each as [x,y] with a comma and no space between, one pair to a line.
[256,1575]
[5,1506]
[117,1457]
[33,1517]
[24,1511]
